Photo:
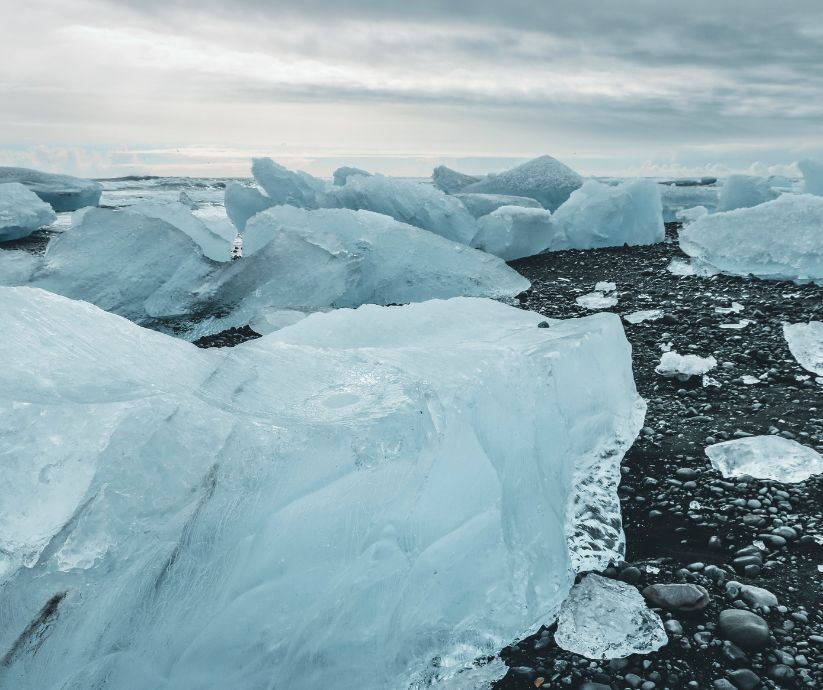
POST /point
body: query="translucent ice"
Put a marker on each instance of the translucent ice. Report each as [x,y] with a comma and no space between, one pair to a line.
[805,341]
[340,175]
[21,212]
[766,457]
[214,246]
[600,215]
[812,176]
[409,202]
[17,267]
[684,367]
[644,315]
[608,619]
[349,498]
[744,191]
[61,192]
[513,232]
[596,300]
[284,186]
[545,179]
[483,204]
[779,240]
[243,202]
[678,199]
[450,181]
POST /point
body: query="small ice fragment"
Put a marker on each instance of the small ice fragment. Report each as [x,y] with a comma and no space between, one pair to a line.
[596,300]
[739,325]
[684,367]
[805,341]
[709,382]
[766,457]
[644,315]
[734,309]
[749,380]
[605,286]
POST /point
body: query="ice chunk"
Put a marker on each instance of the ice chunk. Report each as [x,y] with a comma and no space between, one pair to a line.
[187,201]
[678,199]
[779,240]
[214,246]
[812,176]
[450,181]
[284,186]
[644,315]
[514,232]
[244,202]
[483,204]
[409,202]
[21,212]
[597,300]
[61,192]
[605,286]
[17,267]
[805,341]
[608,619]
[744,191]
[684,367]
[765,457]
[305,507]
[600,215]
[691,214]
[736,308]
[545,179]
[340,175]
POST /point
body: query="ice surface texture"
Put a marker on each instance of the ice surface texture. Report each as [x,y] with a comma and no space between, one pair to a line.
[765,457]
[744,191]
[243,202]
[347,499]
[483,204]
[513,232]
[778,240]
[812,176]
[678,199]
[805,341]
[21,212]
[340,175]
[683,367]
[608,619]
[61,192]
[152,272]
[450,181]
[545,179]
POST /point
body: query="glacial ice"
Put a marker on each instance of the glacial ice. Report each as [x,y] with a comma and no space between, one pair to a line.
[243,202]
[678,199]
[812,176]
[340,502]
[214,246]
[744,191]
[17,266]
[414,203]
[21,212]
[805,341]
[683,367]
[608,619]
[284,186]
[778,240]
[514,232]
[483,204]
[450,181]
[689,215]
[643,315]
[61,192]
[596,300]
[545,179]
[600,215]
[765,457]
[340,175]
[153,273]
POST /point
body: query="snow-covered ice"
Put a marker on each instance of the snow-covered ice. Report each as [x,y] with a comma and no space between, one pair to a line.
[765,457]
[409,202]
[514,232]
[451,181]
[545,179]
[683,367]
[608,619]
[601,215]
[21,212]
[744,191]
[779,240]
[341,175]
[812,176]
[644,315]
[346,499]
[483,204]
[805,341]
[61,192]
[596,300]
[243,202]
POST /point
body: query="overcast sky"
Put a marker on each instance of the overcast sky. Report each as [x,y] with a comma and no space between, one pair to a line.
[105,87]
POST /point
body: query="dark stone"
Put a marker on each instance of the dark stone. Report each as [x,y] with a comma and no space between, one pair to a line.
[746,629]
[685,598]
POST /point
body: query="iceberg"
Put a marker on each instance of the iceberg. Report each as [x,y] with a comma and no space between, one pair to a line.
[805,341]
[777,240]
[341,175]
[21,212]
[812,176]
[450,181]
[414,203]
[600,215]
[514,232]
[483,204]
[744,191]
[284,186]
[676,199]
[683,367]
[243,202]
[351,498]
[608,619]
[61,192]
[766,457]
[214,246]
[545,179]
